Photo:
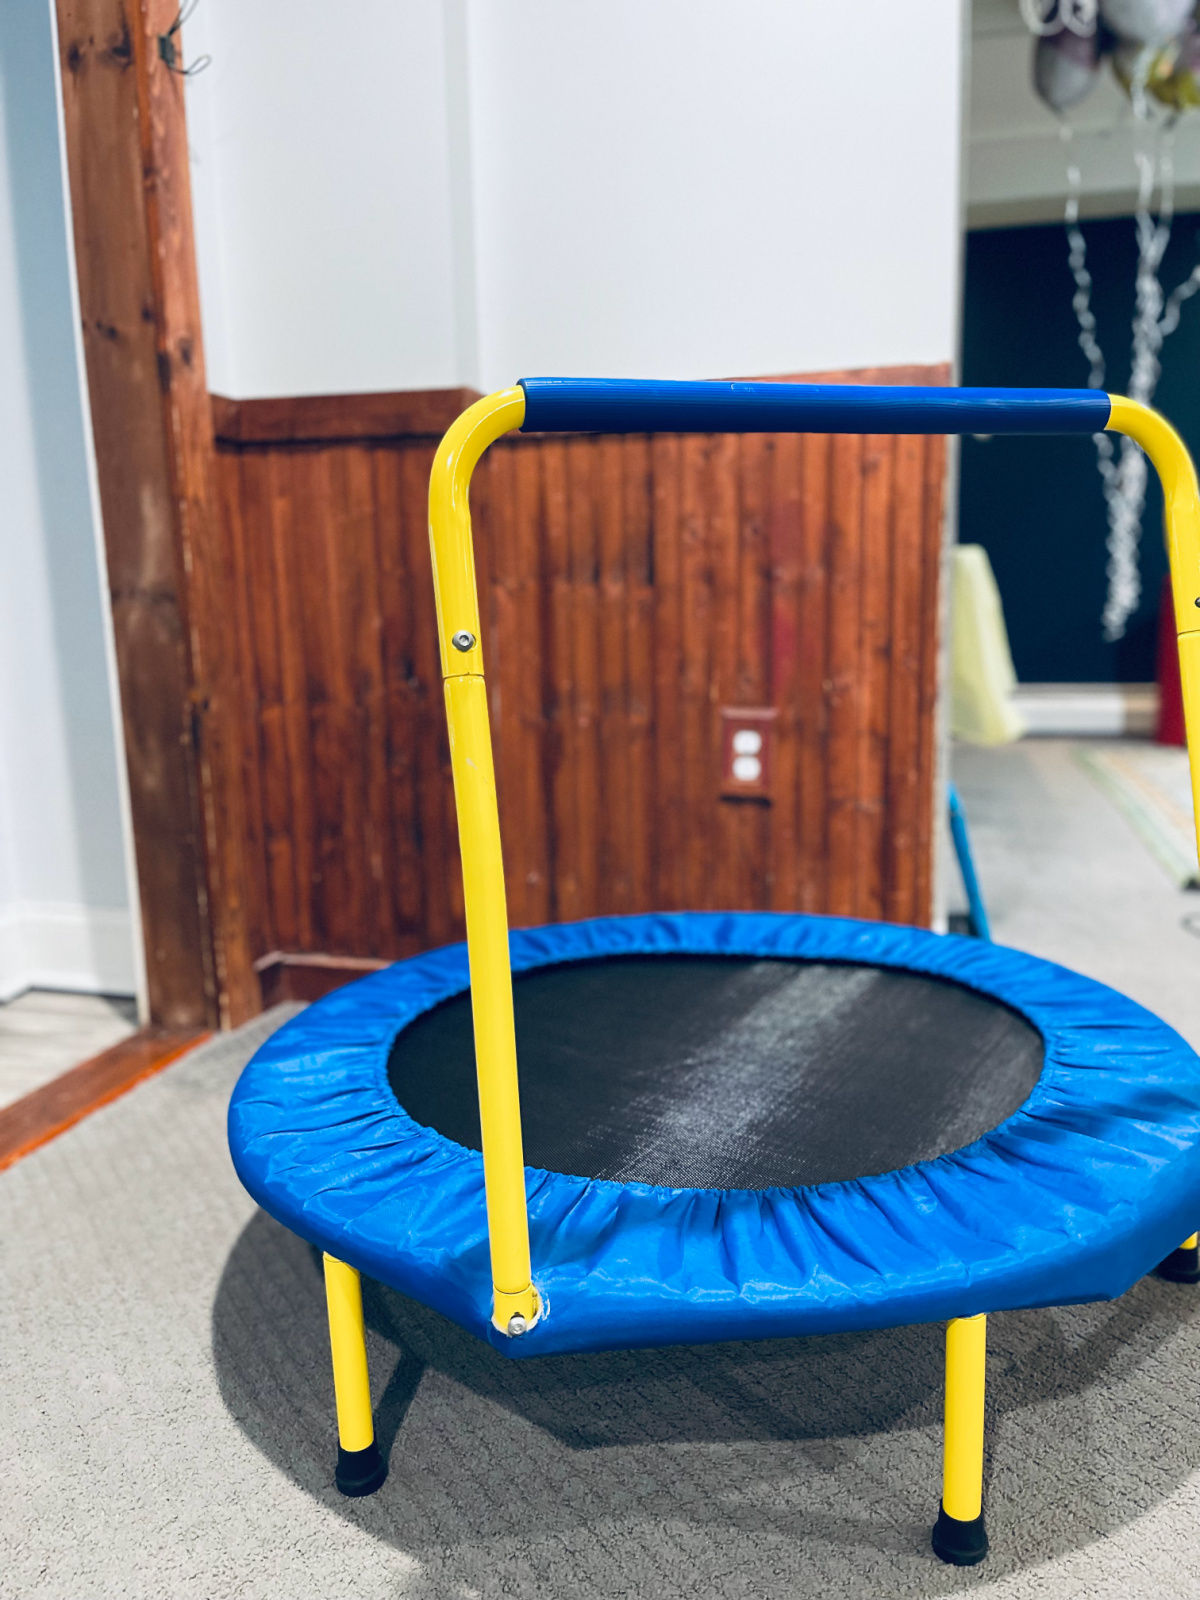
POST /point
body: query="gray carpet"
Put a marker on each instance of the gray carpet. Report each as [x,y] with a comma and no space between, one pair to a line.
[1067,876]
[166,1421]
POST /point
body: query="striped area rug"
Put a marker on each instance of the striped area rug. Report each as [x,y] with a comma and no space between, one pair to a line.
[1151,784]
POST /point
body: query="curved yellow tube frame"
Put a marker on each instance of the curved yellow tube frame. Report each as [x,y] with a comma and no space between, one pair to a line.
[478,817]
[1181,498]
[479,842]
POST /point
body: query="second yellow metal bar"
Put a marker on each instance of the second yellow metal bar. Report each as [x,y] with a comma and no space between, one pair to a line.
[491,999]
[361,1469]
[347,1342]
[966,1364]
[1181,502]
[515,1305]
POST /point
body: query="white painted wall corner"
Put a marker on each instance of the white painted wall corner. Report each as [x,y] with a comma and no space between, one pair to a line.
[72,947]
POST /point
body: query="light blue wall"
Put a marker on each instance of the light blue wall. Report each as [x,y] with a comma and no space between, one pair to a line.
[64,897]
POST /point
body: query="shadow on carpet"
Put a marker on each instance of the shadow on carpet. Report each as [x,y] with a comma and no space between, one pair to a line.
[803,1466]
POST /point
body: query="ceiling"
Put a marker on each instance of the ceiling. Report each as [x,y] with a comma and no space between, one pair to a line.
[1016,154]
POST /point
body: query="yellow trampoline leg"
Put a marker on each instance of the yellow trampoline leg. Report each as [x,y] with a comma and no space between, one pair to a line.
[360,1468]
[1182,1265]
[960,1537]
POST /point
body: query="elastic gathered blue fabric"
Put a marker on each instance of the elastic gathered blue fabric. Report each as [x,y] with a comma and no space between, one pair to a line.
[633,405]
[1078,1194]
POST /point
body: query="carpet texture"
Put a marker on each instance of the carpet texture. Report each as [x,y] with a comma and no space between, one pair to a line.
[166,1421]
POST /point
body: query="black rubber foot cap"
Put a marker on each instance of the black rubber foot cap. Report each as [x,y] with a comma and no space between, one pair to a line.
[360,1472]
[1181,1266]
[962,1544]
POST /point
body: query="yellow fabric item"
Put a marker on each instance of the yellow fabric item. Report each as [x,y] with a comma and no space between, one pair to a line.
[982,677]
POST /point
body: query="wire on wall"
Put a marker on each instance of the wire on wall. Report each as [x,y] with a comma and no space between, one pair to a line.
[169,46]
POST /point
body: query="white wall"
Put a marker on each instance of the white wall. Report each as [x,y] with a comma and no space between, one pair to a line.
[467,191]
[64,899]
[321,188]
[689,188]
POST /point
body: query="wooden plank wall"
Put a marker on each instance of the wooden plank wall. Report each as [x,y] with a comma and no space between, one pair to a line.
[126,146]
[632,586]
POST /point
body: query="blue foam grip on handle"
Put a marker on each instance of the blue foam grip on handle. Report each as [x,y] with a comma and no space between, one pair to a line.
[620,405]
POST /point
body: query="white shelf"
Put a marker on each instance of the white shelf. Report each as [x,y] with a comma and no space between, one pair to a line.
[1088,710]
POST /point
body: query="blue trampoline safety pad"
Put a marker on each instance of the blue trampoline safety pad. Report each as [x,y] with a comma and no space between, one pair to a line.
[1079,1193]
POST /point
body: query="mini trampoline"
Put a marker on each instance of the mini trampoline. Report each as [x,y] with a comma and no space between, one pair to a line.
[730,1125]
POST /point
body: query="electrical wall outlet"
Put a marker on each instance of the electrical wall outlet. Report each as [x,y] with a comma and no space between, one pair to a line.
[747,751]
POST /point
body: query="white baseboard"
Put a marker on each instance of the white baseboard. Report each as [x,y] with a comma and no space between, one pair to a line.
[1088,710]
[52,946]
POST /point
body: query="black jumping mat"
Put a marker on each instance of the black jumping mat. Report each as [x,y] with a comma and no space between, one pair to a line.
[730,1073]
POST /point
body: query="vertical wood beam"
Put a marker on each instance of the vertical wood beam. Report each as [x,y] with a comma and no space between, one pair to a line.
[168,568]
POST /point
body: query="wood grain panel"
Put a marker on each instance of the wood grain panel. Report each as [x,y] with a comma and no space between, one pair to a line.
[269,572]
[300,419]
[168,545]
[631,586]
